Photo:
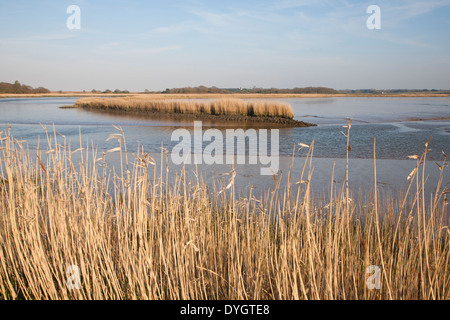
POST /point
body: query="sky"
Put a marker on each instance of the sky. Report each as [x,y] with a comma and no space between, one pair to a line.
[136,45]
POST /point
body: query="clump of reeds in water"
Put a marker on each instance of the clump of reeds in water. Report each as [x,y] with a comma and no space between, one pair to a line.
[266,108]
[135,235]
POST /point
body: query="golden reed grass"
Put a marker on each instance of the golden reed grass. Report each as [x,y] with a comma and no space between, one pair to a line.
[135,235]
[222,106]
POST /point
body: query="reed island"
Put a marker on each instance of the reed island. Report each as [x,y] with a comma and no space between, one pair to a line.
[267,112]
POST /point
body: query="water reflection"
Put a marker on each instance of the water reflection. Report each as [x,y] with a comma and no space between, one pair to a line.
[165,120]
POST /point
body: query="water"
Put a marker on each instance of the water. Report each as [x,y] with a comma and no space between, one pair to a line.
[401,126]
[370,110]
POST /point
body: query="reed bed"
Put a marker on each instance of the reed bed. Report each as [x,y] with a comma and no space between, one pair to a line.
[265,108]
[135,235]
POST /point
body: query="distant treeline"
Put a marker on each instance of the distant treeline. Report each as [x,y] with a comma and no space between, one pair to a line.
[317,90]
[203,89]
[109,91]
[18,88]
[307,90]
[197,90]
[394,91]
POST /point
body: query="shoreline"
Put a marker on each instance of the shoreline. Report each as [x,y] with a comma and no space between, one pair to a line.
[237,120]
[231,95]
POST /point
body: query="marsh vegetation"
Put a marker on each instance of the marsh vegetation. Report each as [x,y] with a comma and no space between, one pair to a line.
[222,106]
[136,235]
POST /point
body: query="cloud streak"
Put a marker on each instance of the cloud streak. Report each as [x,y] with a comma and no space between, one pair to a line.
[123,49]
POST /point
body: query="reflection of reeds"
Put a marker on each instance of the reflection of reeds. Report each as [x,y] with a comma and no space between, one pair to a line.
[135,235]
[266,108]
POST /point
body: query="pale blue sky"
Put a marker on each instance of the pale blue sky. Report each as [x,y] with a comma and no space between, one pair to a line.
[137,45]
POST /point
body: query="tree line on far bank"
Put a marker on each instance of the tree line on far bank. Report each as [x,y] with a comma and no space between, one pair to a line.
[306,90]
[18,88]
[203,89]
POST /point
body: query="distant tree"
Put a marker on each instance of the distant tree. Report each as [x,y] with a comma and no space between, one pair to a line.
[18,88]
[196,90]
[41,90]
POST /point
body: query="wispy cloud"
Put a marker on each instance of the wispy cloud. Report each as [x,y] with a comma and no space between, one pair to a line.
[409,9]
[270,17]
[40,37]
[307,24]
[349,21]
[123,49]
[289,4]
[215,19]
[403,41]
[159,49]
[180,28]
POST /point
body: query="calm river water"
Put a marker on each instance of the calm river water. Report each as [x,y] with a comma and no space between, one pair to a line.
[401,127]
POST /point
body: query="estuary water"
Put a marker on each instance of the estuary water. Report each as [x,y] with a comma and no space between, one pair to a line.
[401,127]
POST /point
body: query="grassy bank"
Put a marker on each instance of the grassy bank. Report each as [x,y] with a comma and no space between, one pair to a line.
[239,107]
[134,235]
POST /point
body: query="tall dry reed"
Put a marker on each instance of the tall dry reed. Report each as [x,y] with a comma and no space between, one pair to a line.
[134,235]
[266,108]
